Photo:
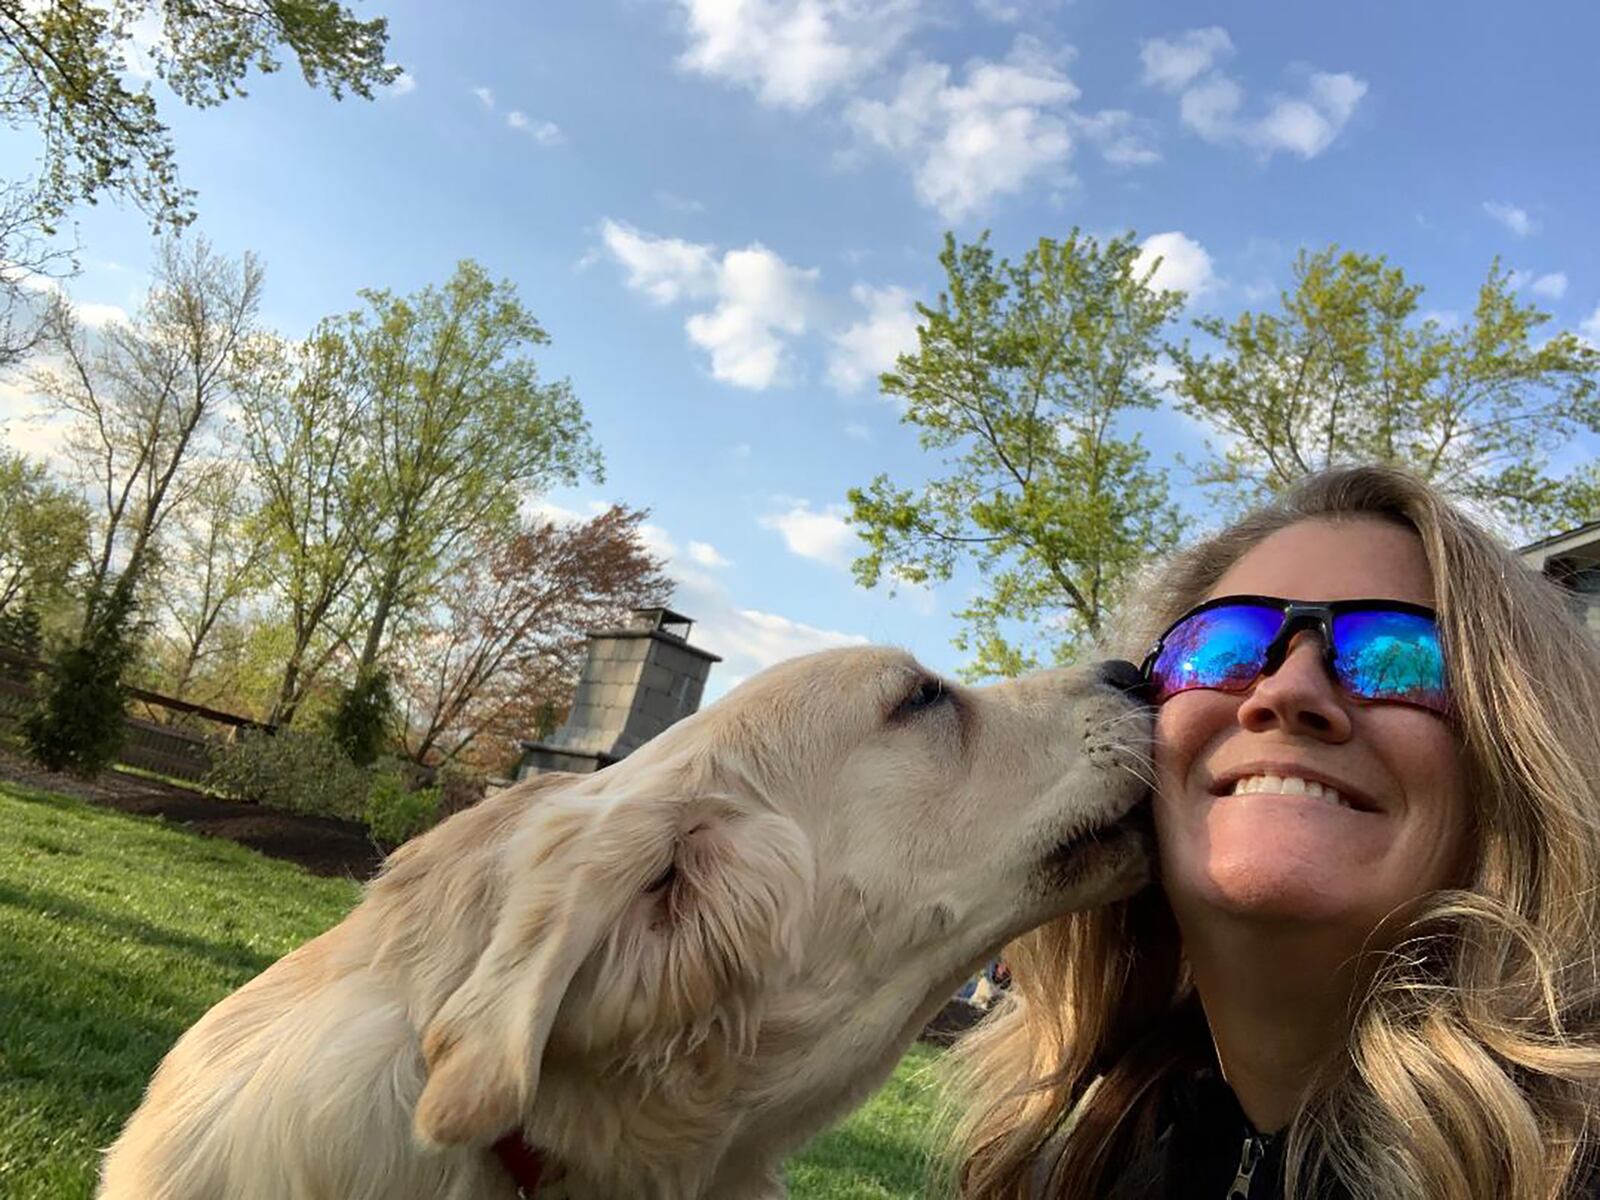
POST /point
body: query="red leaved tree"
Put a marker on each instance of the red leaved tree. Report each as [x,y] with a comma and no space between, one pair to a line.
[501,653]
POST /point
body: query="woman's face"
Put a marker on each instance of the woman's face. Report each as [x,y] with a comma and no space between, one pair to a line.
[1272,851]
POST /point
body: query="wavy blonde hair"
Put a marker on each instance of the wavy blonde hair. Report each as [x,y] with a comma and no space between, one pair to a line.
[1471,1069]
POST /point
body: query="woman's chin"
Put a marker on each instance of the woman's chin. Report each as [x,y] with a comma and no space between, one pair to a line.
[1301,861]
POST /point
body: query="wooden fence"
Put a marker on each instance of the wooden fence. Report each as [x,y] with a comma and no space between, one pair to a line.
[181,752]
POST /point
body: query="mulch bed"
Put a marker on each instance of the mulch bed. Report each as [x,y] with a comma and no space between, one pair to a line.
[322,845]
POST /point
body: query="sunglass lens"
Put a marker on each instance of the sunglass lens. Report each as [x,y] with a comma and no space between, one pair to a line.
[1390,656]
[1220,648]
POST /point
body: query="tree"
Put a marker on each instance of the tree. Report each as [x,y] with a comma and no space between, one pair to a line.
[1023,376]
[304,418]
[141,400]
[507,638]
[460,430]
[361,723]
[63,73]
[77,720]
[43,533]
[30,260]
[1347,370]
[211,564]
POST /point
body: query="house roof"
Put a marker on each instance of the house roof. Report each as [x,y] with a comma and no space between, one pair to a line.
[1584,537]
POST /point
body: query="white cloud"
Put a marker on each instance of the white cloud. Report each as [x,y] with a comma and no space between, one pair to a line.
[26,429]
[546,133]
[759,300]
[970,142]
[871,345]
[1184,265]
[748,639]
[404,84]
[657,541]
[485,97]
[1589,327]
[1308,126]
[1123,139]
[1173,63]
[1210,108]
[707,555]
[858,432]
[98,316]
[665,269]
[824,536]
[1552,286]
[1211,103]
[89,314]
[1304,125]
[145,35]
[792,53]
[1513,218]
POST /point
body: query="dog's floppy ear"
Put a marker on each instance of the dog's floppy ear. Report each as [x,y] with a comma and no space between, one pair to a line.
[579,874]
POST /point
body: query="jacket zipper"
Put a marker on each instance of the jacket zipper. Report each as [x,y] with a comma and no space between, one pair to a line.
[1249,1157]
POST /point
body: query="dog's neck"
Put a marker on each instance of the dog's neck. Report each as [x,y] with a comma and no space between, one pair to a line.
[623,1132]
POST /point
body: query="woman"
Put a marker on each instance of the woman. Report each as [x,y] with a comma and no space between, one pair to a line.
[1371,967]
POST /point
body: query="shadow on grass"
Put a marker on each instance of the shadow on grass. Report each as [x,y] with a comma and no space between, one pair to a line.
[228,955]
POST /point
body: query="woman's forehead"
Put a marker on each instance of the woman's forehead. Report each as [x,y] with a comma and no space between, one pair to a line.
[1347,559]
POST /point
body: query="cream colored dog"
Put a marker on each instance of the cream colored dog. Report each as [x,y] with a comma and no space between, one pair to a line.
[667,975]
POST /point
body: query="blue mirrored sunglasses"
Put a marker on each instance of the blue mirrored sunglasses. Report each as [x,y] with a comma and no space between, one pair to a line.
[1385,650]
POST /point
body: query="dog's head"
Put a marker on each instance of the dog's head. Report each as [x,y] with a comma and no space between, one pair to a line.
[848,812]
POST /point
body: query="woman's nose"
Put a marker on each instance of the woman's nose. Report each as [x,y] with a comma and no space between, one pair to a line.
[1299,697]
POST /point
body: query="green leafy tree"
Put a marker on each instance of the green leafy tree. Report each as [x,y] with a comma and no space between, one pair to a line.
[44,530]
[63,72]
[460,429]
[77,721]
[1348,370]
[304,421]
[1022,380]
[364,720]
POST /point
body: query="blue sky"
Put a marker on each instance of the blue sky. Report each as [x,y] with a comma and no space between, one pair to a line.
[722,212]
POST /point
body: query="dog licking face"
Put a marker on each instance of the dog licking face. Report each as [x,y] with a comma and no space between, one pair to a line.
[669,974]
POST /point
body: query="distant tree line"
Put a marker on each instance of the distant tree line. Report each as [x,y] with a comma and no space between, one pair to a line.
[333,530]
[338,528]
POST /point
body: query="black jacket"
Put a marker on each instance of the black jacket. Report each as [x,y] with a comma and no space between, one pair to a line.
[1208,1150]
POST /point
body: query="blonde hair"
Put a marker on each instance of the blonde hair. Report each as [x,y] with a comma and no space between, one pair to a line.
[1471,1069]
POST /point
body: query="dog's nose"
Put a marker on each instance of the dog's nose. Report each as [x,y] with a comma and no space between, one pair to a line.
[1125,677]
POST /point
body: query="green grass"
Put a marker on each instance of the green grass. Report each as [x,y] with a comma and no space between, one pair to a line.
[117,932]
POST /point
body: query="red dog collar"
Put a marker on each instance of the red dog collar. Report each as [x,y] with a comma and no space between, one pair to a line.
[522,1162]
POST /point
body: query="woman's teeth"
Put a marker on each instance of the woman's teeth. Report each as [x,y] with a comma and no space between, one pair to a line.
[1286,785]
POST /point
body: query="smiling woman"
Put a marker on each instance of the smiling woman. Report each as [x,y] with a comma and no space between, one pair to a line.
[1371,966]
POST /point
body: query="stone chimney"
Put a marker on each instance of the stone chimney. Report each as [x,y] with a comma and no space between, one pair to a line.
[636,681]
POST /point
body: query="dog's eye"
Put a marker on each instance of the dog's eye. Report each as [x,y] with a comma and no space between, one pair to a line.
[926,694]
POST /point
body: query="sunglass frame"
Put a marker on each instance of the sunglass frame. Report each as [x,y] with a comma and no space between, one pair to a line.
[1298,615]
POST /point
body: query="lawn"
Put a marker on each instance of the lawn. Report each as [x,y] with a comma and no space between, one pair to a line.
[117,932]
